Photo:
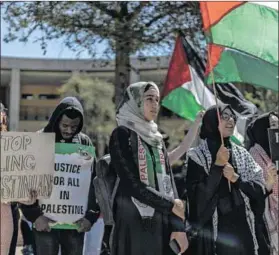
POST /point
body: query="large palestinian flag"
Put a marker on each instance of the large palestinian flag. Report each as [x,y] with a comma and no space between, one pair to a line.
[185,93]
[243,42]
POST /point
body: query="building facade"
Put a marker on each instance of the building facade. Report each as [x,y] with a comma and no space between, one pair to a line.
[30,87]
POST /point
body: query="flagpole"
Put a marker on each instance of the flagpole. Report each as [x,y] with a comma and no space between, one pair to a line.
[216,100]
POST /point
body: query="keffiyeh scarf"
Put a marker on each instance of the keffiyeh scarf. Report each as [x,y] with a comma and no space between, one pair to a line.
[271,208]
[247,168]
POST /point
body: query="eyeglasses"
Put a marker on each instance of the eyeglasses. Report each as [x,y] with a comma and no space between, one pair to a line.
[225,116]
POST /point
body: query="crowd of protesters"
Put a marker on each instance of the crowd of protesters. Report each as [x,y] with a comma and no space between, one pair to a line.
[224,200]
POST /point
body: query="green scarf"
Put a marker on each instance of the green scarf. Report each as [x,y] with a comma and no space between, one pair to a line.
[151,163]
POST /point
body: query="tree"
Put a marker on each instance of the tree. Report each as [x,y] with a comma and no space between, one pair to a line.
[126,27]
[96,98]
[266,100]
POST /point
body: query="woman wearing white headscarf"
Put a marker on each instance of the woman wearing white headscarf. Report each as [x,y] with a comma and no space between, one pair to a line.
[147,212]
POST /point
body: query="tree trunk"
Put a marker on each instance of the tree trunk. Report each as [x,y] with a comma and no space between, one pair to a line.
[122,68]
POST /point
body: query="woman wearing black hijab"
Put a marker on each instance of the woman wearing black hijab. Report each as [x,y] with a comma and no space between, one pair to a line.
[222,212]
[259,150]
[257,131]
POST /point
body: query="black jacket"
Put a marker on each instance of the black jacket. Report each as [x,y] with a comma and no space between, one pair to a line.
[32,212]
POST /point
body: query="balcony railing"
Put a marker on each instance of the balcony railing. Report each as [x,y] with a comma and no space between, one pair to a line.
[39,102]
[39,113]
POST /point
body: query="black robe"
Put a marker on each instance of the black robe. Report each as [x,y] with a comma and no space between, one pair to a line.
[133,235]
[205,193]
[208,192]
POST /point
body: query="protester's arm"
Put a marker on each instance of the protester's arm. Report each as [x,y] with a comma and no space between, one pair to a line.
[93,210]
[127,170]
[176,223]
[202,189]
[31,212]
[259,160]
[249,188]
[253,186]
[187,142]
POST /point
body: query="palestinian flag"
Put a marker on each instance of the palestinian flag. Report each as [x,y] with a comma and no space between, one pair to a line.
[185,93]
[243,42]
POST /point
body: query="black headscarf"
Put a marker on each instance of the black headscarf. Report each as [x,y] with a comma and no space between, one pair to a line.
[257,132]
[210,130]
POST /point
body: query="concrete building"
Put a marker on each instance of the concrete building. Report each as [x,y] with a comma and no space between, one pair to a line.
[29,87]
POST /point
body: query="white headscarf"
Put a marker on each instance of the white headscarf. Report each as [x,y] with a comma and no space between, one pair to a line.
[131,114]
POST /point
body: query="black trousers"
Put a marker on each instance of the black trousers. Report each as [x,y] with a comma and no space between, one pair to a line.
[15,214]
[48,243]
[106,239]
[27,235]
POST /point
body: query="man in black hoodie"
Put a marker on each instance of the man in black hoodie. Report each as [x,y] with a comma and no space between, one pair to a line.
[66,122]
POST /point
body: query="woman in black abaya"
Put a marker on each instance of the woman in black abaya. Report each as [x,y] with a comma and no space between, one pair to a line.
[225,188]
[147,213]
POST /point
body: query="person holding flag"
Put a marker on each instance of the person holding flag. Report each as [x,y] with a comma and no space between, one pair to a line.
[223,216]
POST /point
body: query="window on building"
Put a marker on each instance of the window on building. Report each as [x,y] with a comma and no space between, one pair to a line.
[27,96]
[39,113]
[48,96]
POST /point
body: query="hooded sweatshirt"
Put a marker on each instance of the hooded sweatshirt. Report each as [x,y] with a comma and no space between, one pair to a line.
[32,212]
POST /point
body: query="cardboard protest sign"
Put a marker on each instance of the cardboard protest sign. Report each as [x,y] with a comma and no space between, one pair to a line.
[26,162]
[273,136]
[71,183]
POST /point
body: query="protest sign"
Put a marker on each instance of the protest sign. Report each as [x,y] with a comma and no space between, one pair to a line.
[273,136]
[26,162]
[71,183]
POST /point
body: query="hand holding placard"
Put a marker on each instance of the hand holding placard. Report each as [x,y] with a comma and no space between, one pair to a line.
[25,166]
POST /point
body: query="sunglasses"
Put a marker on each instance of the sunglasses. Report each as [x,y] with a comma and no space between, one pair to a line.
[226,116]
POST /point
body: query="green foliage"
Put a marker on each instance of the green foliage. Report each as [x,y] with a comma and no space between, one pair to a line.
[124,28]
[266,100]
[137,25]
[96,97]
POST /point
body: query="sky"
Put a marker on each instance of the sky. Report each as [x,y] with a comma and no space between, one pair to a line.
[55,49]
